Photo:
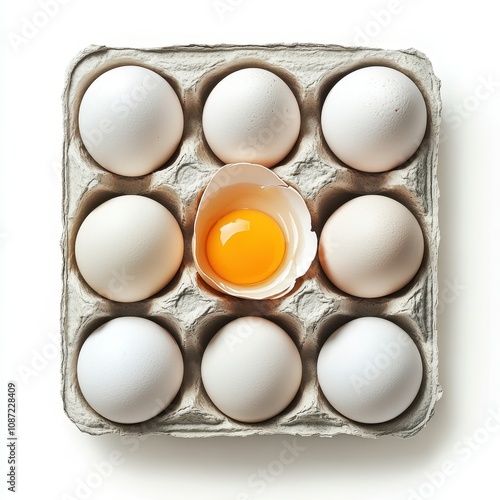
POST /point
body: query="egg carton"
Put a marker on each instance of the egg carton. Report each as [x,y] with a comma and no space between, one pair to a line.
[191,310]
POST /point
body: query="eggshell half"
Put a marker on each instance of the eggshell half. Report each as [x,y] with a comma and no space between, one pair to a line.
[244,185]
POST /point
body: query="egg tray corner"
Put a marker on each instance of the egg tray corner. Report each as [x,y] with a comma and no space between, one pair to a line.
[191,310]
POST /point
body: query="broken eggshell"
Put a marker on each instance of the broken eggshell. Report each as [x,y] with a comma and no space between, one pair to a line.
[246,185]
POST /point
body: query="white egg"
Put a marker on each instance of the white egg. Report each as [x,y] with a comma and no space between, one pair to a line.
[370,370]
[374,119]
[371,246]
[243,186]
[129,248]
[130,369]
[251,369]
[251,116]
[130,120]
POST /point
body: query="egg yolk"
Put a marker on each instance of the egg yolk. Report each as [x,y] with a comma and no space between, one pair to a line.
[245,247]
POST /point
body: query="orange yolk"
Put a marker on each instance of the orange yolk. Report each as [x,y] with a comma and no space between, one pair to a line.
[245,247]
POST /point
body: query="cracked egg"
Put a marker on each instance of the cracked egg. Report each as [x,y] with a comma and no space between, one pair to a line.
[252,233]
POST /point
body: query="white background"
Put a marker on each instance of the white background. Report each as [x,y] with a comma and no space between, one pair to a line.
[55,459]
